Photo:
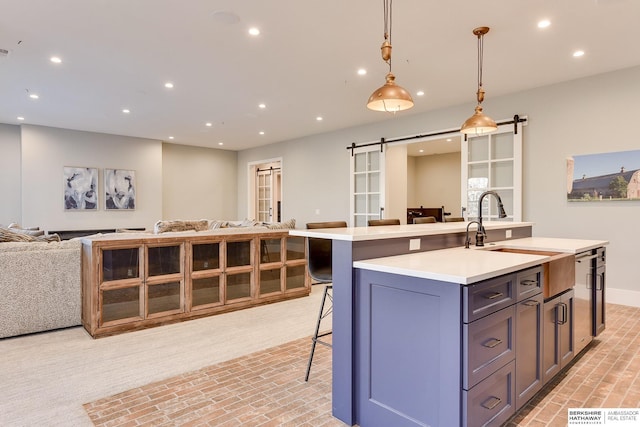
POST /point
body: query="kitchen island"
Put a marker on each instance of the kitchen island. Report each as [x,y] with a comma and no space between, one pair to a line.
[403,323]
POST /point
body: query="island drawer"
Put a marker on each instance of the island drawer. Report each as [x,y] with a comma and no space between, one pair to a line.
[492,402]
[529,282]
[488,344]
[489,296]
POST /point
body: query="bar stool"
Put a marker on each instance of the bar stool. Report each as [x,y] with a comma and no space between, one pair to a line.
[425,220]
[319,265]
[375,222]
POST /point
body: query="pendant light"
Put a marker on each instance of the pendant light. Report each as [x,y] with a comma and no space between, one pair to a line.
[389,97]
[479,123]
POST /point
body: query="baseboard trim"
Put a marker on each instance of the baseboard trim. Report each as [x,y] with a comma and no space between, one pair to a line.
[622,297]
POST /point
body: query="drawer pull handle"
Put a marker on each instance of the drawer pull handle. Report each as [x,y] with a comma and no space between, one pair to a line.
[491,402]
[529,282]
[531,303]
[494,295]
[491,343]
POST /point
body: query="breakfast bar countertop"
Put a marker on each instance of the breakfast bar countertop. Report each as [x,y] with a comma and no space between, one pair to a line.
[400,231]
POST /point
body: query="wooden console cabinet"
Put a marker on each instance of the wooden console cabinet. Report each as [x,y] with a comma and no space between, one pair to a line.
[136,281]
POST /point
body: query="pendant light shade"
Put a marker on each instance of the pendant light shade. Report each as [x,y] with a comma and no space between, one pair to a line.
[479,123]
[389,97]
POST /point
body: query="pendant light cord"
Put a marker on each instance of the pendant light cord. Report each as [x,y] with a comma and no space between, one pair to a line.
[480,55]
[387,6]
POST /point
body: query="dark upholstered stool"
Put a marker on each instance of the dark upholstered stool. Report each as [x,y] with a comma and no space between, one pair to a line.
[391,221]
[319,264]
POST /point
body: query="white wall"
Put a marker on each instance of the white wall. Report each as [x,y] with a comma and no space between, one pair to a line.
[172,181]
[585,116]
[437,182]
[46,151]
[10,207]
[313,178]
[198,183]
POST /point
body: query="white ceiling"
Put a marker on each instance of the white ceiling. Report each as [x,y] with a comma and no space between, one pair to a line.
[119,53]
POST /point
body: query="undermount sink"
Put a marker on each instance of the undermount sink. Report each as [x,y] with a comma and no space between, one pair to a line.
[559,271]
[523,251]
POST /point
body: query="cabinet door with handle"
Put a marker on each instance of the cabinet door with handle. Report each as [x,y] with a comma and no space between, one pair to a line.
[558,345]
[529,315]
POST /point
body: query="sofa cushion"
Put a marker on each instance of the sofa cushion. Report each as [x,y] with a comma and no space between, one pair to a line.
[290,224]
[16,235]
[180,225]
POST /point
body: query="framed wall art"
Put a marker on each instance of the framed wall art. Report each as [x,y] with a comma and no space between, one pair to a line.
[611,176]
[80,188]
[119,189]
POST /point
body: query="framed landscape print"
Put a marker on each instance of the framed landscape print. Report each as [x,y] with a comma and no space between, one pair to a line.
[119,189]
[80,188]
[611,176]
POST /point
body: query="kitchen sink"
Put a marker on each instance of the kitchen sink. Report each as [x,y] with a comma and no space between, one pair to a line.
[559,271]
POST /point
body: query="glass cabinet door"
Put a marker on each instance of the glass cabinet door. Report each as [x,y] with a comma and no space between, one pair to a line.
[205,291]
[163,260]
[205,256]
[296,277]
[121,263]
[238,286]
[164,297]
[121,304]
[164,284]
[295,248]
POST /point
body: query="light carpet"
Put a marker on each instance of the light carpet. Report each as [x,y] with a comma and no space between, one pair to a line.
[47,377]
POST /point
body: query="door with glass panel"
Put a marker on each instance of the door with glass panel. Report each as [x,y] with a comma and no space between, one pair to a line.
[367,185]
[267,193]
[493,162]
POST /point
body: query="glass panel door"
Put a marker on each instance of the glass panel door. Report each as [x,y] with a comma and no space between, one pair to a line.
[367,185]
[264,206]
[493,162]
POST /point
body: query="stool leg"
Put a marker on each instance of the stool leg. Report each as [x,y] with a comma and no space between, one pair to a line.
[314,339]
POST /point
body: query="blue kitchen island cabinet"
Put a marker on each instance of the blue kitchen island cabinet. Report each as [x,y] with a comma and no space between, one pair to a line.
[436,353]
[399,322]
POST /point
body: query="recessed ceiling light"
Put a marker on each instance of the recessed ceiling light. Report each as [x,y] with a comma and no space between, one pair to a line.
[421,151]
[420,93]
[578,53]
[262,106]
[170,137]
[126,110]
[55,59]
[20,118]
[220,143]
[362,72]
[168,85]
[261,132]
[544,23]
[34,96]
[254,31]
[208,124]
[319,118]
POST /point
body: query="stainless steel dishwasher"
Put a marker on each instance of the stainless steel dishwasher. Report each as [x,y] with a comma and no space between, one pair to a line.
[583,302]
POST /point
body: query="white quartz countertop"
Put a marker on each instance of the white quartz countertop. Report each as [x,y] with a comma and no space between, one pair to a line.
[399,231]
[550,244]
[466,266]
